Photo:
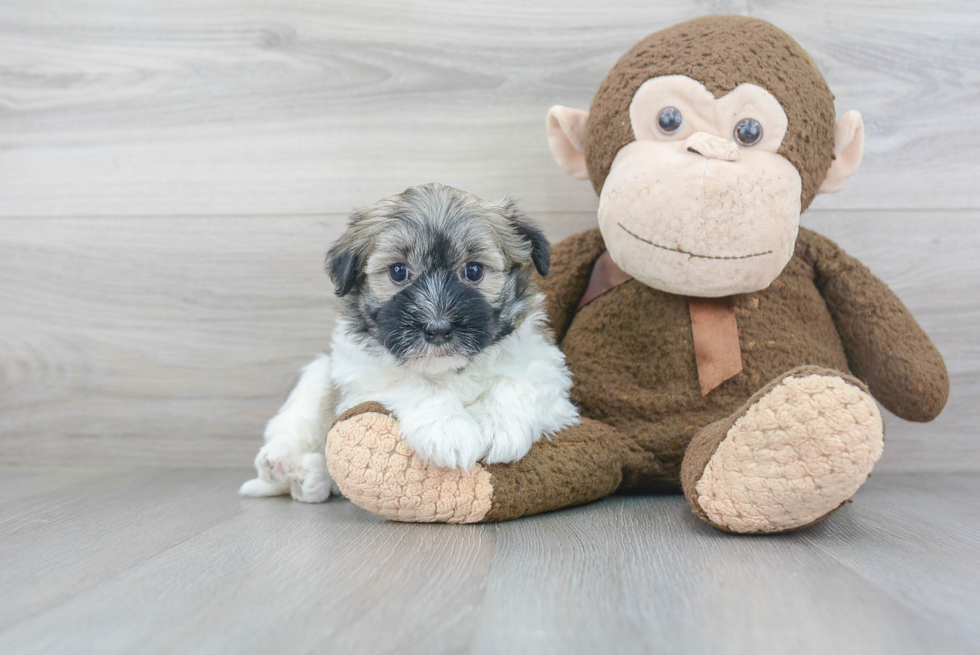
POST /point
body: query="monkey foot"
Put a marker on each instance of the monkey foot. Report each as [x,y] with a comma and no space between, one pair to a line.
[374,467]
[791,456]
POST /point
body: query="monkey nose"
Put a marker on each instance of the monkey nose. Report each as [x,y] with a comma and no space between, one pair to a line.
[711,146]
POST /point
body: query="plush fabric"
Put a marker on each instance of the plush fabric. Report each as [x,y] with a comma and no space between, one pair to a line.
[579,465]
[795,452]
[697,226]
[378,471]
[632,353]
[632,349]
[375,469]
[885,346]
[721,52]
[682,93]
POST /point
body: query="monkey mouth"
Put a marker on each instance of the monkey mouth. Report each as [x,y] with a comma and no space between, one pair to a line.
[691,254]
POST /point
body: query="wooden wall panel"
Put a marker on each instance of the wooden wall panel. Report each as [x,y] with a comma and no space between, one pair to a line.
[171,342]
[172,172]
[115,107]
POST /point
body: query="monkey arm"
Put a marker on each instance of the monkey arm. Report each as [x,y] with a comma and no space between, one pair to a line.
[885,346]
[571,266]
[376,469]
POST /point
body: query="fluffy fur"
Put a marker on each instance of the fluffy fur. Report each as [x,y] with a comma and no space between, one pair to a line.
[487,390]
[492,410]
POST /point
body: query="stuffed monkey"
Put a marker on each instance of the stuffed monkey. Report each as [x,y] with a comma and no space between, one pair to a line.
[717,347]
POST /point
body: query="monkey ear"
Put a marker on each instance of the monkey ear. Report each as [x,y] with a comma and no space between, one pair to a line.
[848,151]
[567,129]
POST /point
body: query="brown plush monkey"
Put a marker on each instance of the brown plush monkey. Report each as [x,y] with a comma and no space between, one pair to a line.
[716,345]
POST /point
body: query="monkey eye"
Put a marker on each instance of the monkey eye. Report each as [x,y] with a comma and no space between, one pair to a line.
[748,132]
[473,272]
[670,120]
[398,273]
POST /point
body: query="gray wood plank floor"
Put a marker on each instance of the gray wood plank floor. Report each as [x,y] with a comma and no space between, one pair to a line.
[166,561]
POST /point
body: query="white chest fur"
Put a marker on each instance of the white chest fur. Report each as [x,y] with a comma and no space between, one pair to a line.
[493,409]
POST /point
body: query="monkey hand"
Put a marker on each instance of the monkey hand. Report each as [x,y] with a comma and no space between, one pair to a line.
[376,469]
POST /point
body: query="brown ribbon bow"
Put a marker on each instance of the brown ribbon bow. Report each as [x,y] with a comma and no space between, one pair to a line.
[716,346]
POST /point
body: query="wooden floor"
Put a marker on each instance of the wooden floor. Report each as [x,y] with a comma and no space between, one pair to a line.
[172,561]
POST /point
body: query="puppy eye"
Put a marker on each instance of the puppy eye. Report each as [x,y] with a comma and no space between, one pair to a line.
[473,272]
[748,132]
[670,120]
[398,273]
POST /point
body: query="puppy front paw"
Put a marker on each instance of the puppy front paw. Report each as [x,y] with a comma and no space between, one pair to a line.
[311,482]
[509,439]
[454,441]
[273,464]
[277,460]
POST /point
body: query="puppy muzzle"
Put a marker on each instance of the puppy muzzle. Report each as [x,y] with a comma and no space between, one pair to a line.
[437,315]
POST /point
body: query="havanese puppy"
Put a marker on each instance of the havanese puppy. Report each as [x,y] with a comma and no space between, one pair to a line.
[442,324]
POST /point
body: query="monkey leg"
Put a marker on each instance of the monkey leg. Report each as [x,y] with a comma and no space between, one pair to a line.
[791,456]
[377,471]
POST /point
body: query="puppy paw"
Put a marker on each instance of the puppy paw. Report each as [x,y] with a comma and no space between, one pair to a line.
[277,460]
[311,482]
[454,441]
[285,467]
[509,439]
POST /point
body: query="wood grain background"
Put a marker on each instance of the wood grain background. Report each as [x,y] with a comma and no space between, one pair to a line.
[172,172]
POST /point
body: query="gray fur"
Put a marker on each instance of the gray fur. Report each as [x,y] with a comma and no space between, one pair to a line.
[436,230]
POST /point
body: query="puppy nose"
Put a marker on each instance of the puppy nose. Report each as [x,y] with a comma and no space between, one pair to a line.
[438,331]
[711,146]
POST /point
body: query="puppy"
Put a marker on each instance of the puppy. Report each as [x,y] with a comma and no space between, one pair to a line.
[440,323]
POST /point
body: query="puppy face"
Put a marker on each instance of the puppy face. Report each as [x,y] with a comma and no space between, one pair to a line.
[435,275]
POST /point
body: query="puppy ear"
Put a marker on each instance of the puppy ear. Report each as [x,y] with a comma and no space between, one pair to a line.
[525,227]
[342,268]
[342,262]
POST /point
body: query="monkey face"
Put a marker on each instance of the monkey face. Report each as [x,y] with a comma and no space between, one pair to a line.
[705,142]
[701,204]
